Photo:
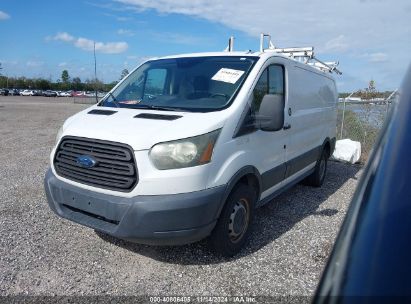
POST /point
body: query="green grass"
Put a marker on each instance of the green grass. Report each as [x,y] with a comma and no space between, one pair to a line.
[359,129]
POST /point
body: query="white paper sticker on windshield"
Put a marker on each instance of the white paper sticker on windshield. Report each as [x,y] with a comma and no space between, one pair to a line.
[228,75]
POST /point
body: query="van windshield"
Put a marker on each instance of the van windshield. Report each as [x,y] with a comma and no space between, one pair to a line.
[198,84]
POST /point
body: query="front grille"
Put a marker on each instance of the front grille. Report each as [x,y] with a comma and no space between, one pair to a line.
[115,168]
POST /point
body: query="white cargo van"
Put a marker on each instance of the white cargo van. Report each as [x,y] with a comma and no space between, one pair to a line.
[188,146]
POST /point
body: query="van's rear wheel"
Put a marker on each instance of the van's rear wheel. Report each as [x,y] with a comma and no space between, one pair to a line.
[316,179]
[233,226]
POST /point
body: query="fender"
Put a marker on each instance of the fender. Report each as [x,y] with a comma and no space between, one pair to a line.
[236,178]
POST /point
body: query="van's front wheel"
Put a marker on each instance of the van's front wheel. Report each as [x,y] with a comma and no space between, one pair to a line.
[233,226]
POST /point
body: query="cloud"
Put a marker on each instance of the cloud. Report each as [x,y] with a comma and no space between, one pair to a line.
[4,16]
[118,18]
[5,62]
[108,48]
[62,64]
[88,44]
[337,44]
[123,19]
[34,63]
[63,37]
[339,30]
[126,32]
[377,57]
[332,26]
[177,38]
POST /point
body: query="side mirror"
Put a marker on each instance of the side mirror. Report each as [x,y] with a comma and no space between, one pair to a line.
[271,114]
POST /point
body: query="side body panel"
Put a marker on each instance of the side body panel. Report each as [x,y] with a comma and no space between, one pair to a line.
[283,157]
[311,115]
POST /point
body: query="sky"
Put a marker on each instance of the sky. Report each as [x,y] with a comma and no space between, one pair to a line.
[370,38]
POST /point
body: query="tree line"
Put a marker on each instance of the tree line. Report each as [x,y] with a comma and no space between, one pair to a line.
[367,93]
[65,83]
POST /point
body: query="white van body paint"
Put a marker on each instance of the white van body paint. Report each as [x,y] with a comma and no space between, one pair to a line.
[310,94]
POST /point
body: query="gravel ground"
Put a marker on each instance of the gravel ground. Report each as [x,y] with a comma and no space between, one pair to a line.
[41,254]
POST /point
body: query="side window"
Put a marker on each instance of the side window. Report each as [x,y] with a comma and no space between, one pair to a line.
[271,82]
[155,82]
[276,80]
[261,88]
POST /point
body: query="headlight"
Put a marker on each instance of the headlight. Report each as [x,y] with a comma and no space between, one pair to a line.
[188,152]
[59,133]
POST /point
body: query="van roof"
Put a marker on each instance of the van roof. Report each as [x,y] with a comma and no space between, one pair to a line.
[203,54]
[301,56]
[266,54]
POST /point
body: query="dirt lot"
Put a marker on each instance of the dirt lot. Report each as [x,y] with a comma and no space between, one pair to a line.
[41,254]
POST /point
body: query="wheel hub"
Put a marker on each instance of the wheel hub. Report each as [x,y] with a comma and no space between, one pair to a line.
[238,221]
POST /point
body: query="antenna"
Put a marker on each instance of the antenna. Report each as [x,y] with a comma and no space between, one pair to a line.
[95,72]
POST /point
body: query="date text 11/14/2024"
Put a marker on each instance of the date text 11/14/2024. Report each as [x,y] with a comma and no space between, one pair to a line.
[203,299]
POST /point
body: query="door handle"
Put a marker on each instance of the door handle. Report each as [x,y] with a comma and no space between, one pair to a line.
[287,126]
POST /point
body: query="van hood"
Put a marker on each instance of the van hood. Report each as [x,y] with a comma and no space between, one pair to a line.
[141,129]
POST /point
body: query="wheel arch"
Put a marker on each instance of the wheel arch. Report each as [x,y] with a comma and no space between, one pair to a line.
[248,175]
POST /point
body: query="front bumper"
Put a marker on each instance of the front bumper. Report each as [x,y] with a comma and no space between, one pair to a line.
[160,219]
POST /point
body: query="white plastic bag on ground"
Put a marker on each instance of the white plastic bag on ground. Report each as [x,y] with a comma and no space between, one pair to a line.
[347,150]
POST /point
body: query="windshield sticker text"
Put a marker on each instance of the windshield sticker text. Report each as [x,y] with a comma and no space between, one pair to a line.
[228,75]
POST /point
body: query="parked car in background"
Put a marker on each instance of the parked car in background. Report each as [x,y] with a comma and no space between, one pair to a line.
[14,92]
[101,94]
[90,94]
[4,92]
[49,93]
[27,93]
[65,94]
[78,94]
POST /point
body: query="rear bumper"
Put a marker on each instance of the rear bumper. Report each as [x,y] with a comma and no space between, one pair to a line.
[161,220]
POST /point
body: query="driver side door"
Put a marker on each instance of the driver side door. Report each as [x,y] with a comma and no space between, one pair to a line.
[270,146]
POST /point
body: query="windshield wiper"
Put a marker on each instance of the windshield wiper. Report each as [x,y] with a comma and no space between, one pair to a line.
[159,108]
[114,99]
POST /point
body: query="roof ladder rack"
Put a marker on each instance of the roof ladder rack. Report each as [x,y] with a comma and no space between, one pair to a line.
[303,54]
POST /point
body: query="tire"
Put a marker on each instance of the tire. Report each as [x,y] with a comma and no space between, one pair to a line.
[233,227]
[316,179]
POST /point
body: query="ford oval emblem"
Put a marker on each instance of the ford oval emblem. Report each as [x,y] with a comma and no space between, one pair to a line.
[86,161]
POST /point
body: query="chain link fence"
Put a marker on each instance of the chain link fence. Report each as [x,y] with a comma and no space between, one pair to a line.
[86,99]
[361,122]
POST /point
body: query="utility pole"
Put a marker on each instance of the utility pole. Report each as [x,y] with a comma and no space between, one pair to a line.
[95,72]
